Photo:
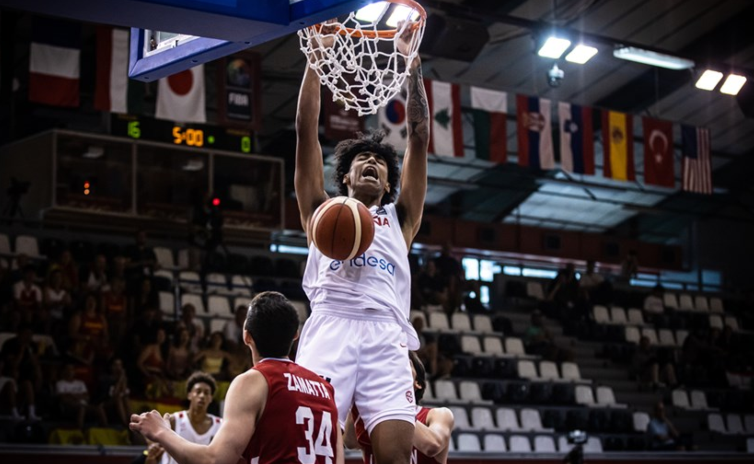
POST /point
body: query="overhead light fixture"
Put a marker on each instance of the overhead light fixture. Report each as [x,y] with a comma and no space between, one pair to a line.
[581,54]
[401,13]
[93,152]
[733,84]
[554,47]
[372,13]
[709,79]
[639,55]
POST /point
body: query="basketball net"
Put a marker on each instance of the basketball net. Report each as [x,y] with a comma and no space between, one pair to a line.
[363,67]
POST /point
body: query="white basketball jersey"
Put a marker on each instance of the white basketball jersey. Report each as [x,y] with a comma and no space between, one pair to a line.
[184,428]
[379,279]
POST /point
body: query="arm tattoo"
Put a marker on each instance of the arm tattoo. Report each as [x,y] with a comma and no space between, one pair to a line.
[418,110]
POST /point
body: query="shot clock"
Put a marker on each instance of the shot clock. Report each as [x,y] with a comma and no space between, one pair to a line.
[190,135]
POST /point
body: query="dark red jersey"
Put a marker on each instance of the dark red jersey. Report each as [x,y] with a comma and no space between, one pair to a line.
[299,424]
[366,444]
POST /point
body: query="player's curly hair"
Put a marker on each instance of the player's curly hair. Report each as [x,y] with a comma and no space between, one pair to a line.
[201,377]
[421,376]
[370,142]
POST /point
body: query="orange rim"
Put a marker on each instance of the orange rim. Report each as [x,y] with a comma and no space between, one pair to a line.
[386,34]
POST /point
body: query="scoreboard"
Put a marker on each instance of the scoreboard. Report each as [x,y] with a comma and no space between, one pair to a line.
[202,136]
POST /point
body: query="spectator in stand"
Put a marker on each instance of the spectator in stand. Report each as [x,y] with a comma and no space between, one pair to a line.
[73,398]
[663,435]
[178,366]
[451,271]
[233,330]
[432,286]
[27,297]
[194,326]
[142,260]
[6,293]
[145,328]
[114,392]
[144,296]
[57,300]
[239,361]
[151,364]
[70,271]
[539,341]
[564,290]
[630,266]
[654,303]
[20,364]
[593,286]
[91,327]
[19,267]
[95,279]
[649,369]
[115,307]
[118,268]
[214,358]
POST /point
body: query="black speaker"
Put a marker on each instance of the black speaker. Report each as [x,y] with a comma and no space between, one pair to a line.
[745,99]
[453,38]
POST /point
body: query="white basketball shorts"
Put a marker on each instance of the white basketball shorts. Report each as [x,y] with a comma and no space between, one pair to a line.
[364,355]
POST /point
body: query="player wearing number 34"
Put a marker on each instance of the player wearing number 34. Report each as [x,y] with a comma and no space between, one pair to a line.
[275,412]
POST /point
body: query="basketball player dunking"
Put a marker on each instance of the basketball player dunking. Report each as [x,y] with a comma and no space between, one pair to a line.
[359,335]
[276,412]
[433,426]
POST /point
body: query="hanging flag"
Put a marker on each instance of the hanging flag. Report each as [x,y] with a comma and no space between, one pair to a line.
[697,169]
[339,123]
[534,132]
[490,107]
[392,120]
[618,144]
[54,62]
[658,152]
[180,97]
[114,91]
[576,138]
[446,137]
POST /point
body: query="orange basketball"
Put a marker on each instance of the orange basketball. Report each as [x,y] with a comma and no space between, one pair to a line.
[342,228]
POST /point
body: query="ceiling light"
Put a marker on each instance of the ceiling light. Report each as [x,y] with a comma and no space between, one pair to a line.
[709,80]
[581,54]
[554,47]
[733,84]
[372,13]
[93,152]
[402,13]
[661,60]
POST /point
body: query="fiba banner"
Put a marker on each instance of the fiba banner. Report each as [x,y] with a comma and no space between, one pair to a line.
[239,91]
[446,136]
[490,108]
[534,132]
[114,91]
[658,152]
[180,97]
[54,62]
[392,120]
[576,138]
[618,145]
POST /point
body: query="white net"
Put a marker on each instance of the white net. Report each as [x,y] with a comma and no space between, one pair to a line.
[362,69]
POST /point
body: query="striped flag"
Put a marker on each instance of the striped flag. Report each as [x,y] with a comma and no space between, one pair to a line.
[697,169]
[490,135]
[658,152]
[576,138]
[618,144]
[114,91]
[54,62]
[446,137]
[534,132]
[180,97]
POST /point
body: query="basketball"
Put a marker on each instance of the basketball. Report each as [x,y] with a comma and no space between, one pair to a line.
[342,228]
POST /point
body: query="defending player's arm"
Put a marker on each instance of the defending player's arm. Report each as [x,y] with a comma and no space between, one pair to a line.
[309,177]
[244,403]
[433,440]
[349,434]
[414,175]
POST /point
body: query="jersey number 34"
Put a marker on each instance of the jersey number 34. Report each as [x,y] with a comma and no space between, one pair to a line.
[321,446]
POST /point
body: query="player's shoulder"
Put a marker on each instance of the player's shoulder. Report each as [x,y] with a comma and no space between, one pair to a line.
[440,414]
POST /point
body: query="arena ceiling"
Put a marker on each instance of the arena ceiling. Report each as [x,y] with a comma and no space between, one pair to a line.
[705,31]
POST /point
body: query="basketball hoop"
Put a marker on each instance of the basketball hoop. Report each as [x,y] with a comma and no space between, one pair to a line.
[359,63]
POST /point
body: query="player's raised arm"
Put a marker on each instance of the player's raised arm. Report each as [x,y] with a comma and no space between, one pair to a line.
[309,177]
[414,175]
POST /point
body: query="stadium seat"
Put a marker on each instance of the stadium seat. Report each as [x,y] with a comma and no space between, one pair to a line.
[452,444]
[184,258]
[507,419]
[666,337]
[670,301]
[461,417]
[27,245]
[685,302]
[651,334]
[190,281]
[217,283]
[632,334]
[563,445]
[481,418]
[701,304]
[519,444]
[534,290]
[635,317]
[514,347]
[531,421]
[698,400]
[732,322]
[570,371]
[584,395]
[715,423]
[680,399]
[600,314]
[167,303]
[241,300]
[735,427]
[680,336]
[716,305]
[218,306]
[483,323]
[438,321]
[470,345]
[196,301]
[445,390]
[749,424]
[217,324]
[429,392]
[544,444]
[420,314]
[548,370]
[715,321]
[750,445]
[641,421]
[468,442]
[241,285]
[301,310]
[593,445]
[527,370]
[606,397]
[164,257]
[469,391]
[494,443]
[493,346]
[461,322]
[618,315]
[5,245]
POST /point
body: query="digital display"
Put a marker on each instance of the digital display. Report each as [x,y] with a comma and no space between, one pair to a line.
[187,135]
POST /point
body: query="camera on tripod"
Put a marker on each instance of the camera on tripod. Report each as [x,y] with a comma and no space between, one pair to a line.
[576,455]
